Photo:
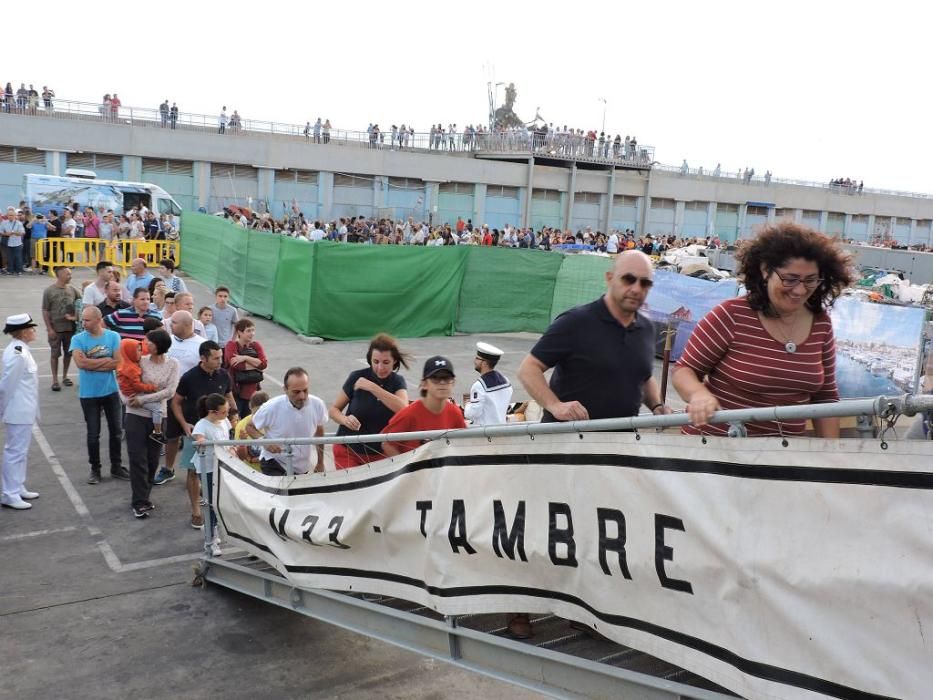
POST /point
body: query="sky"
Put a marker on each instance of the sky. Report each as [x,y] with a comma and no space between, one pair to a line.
[810,91]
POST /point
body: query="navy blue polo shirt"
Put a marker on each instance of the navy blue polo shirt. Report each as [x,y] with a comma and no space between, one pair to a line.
[598,361]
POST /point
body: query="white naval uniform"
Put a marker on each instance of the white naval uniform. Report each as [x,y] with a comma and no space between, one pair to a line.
[489,400]
[19,409]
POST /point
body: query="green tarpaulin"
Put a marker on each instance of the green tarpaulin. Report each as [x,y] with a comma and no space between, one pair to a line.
[349,292]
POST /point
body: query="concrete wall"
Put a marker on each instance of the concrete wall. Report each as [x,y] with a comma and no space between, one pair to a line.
[906,218]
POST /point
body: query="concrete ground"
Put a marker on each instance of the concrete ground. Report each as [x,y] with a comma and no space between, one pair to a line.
[97,604]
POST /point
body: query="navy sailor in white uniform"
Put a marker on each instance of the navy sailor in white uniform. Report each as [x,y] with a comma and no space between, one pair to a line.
[491,393]
[19,410]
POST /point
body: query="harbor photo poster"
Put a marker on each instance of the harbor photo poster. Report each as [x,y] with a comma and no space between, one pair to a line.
[878,347]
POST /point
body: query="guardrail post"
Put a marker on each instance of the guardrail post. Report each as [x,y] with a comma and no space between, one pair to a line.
[207,497]
[453,641]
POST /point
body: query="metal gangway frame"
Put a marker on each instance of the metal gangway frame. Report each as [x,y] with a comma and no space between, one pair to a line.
[559,662]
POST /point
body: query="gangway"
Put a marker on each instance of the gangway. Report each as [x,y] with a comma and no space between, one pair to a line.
[559,661]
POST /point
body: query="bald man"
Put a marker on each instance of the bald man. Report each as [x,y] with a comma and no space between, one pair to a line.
[140,277]
[96,353]
[602,352]
[184,301]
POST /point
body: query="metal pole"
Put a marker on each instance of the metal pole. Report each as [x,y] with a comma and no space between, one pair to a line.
[207,496]
[603,100]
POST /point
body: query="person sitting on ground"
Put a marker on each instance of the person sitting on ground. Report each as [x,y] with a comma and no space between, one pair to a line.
[435,410]
[774,346]
[129,378]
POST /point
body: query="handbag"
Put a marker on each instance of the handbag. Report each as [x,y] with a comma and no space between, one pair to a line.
[248,376]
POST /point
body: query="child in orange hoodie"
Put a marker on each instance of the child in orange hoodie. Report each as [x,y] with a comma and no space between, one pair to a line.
[129,377]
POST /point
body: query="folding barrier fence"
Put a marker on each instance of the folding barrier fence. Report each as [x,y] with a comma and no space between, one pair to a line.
[789,567]
[53,253]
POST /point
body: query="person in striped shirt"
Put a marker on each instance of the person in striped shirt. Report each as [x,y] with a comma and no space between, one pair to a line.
[774,346]
[129,322]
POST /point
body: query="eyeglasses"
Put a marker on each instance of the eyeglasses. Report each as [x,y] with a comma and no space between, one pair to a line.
[791,281]
[441,380]
[630,279]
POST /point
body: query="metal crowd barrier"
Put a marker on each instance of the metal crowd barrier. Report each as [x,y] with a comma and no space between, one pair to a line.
[124,252]
[53,253]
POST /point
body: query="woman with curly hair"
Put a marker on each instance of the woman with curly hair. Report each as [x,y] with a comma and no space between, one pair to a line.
[774,346]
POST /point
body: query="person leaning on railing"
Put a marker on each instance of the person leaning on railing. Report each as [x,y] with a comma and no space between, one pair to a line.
[775,346]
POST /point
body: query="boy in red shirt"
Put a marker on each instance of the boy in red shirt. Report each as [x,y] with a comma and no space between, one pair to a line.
[433,412]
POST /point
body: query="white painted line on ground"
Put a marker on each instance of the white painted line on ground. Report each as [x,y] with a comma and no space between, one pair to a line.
[137,565]
[37,533]
[76,501]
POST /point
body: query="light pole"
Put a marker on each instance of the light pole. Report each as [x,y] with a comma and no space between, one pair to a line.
[603,100]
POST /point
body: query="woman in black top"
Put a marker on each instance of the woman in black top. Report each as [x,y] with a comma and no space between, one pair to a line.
[371,396]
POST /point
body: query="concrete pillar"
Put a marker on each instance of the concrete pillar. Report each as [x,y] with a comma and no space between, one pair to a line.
[432,193]
[847,226]
[892,226]
[645,203]
[711,219]
[679,208]
[824,221]
[740,229]
[771,215]
[325,194]
[380,192]
[871,226]
[913,232]
[266,187]
[798,216]
[529,191]
[571,191]
[610,201]
[55,162]
[202,183]
[133,168]
[479,204]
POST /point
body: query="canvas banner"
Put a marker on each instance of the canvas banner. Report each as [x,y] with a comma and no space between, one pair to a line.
[795,571]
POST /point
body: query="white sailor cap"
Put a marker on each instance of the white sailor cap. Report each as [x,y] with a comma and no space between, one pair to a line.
[488,352]
[18,322]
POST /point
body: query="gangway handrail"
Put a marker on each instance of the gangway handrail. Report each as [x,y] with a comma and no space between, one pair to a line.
[882,406]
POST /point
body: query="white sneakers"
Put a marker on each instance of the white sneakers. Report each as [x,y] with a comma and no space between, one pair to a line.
[216,551]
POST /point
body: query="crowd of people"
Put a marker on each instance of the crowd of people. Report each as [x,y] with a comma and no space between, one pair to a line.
[847,185]
[178,389]
[26,100]
[381,231]
[22,230]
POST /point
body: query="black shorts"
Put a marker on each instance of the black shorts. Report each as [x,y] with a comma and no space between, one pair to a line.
[62,344]
[172,429]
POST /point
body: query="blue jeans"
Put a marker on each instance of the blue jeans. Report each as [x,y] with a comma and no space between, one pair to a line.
[14,259]
[113,412]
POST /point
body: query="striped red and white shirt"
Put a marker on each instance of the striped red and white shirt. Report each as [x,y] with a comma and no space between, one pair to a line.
[745,367]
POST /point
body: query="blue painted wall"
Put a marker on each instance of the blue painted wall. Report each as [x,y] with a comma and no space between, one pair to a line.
[501,211]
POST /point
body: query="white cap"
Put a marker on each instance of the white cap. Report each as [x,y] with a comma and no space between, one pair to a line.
[487,350]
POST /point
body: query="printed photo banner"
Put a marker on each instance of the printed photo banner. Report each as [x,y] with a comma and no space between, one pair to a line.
[777,572]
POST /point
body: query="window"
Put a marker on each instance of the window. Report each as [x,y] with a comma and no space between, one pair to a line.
[696,206]
[727,208]
[460,188]
[811,214]
[162,166]
[784,214]
[306,177]
[501,191]
[660,204]
[167,206]
[346,180]
[95,161]
[901,221]
[860,218]
[587,197]
[624,200]
[405,183]
[546,195]
[237,172]
[756,211]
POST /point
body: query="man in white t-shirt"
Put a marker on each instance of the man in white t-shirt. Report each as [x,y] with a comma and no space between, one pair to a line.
[612,244]
[317,234]
[96,292]
[297,414]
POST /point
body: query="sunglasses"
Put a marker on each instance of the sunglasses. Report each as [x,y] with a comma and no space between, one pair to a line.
[629,279]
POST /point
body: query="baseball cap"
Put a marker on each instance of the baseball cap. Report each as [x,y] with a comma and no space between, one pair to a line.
[437,365]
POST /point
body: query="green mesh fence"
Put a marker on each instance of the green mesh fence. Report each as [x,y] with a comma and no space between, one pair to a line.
[507,290]
[580,280]
[349,292]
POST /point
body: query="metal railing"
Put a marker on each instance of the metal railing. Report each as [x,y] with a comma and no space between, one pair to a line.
[568,146]
[759,179]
